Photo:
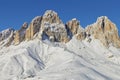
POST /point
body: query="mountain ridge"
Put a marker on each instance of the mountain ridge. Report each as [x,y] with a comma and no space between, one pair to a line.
[48,49]
[51,26]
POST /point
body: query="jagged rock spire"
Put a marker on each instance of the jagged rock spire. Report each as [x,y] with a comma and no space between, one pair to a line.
[50,26]
[33,28]
[104,30]
[20,34]
[53,28]
[51,16]
[74,28]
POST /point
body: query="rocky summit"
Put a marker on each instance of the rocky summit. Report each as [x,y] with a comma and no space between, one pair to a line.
[50,27]
[104,30]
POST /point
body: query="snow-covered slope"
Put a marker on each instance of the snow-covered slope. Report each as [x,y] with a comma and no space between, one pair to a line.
[76,60]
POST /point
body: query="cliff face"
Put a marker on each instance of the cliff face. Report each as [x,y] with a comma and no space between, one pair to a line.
[105,31]
[74,28]
[53,27]
[20,34]
[50,26]
[33,28]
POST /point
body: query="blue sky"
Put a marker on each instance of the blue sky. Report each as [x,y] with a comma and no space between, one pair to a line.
[13,13]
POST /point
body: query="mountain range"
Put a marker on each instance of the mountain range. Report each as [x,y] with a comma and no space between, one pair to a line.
[48,49]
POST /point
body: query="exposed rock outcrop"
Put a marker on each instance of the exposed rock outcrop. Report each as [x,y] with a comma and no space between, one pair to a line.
[74,28]
[53,27]
[20,34]
[81,36]
[6,37]
[51,17]
[56,32]
[33,28]
[5,34]
[105,31]
[50,26]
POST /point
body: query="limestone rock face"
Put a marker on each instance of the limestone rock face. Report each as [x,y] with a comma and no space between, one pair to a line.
[20,34]
[33,28]
[73,25]
[53,27]
[105,31]
[74,28]
[81,36]
[56,32]
[50,26]
[51,17]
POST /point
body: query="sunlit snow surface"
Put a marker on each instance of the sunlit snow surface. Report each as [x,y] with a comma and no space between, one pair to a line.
[44,60]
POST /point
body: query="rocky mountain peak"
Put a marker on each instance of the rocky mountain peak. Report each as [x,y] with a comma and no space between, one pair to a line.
[50,12]
[104,30]
[50,26]
[6,37]
[74,28]
[101,18]
[51,16]
[20,34]
[5,33]
[33,28]
[25,25]
[53,28]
